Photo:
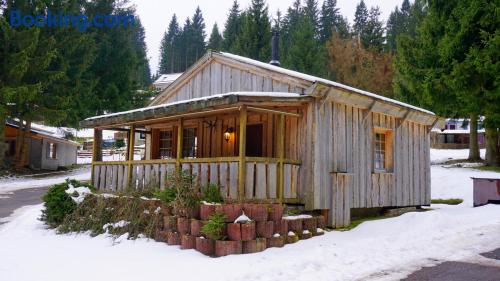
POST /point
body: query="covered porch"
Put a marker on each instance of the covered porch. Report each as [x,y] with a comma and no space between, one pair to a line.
[248,145]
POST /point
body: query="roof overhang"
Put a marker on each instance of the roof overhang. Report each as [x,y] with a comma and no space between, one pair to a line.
[376,103]
[199,106]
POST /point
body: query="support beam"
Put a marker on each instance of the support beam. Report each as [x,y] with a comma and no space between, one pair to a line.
[242,153]
[180,131]
[265,110]
[96,151]
[405,117]
[281,156]
[130,154]
[367,113]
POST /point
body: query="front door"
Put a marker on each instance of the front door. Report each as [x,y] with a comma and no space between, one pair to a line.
[254,140]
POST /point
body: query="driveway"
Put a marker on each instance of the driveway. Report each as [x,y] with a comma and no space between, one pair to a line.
[19,198]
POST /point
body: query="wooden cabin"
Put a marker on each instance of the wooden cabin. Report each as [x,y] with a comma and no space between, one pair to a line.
[265,133]
[46,150]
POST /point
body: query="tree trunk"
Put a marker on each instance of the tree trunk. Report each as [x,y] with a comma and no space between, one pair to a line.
[492,157]
[473,143]
[22,145]
[3,146]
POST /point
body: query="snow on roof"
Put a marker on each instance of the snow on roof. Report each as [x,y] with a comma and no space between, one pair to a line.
[246,94]
[167,78]
[313,79]
[49,131]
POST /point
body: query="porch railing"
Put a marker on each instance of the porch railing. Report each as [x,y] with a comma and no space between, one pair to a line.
[262,181]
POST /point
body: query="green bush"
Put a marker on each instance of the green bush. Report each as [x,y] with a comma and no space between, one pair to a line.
[58,204]
[166,195]
[186,198]
[214,228]
[211,193]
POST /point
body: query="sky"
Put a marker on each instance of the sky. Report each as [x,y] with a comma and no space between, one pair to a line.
[156,14]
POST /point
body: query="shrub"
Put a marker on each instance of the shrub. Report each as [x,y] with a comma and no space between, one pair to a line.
[97,214]
[211,193]
[166,195]
[186,198]
[58,204]
[214,228]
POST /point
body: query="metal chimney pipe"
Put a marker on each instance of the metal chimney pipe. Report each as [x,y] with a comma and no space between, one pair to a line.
[275,56]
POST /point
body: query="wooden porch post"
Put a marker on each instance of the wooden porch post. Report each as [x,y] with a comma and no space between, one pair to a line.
[242,153]
[281,155]
[180,131]
[130,153]
[96,151]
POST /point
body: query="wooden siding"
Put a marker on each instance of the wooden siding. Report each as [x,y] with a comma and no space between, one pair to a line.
[217,78]
[344,176]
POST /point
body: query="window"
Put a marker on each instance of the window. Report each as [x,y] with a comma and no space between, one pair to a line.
[382,151]
[166,144]
[189,143]
[51,150]
[11,148]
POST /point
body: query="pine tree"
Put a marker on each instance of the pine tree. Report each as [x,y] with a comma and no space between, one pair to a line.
[143,72]
[168,50]
[288,25]
[360,19]
[450,65]
[305,53]
[198,36]
[311,11]
[331,21]
[232,28]
[215,40]
[400,22]
[373,33]
[255,39]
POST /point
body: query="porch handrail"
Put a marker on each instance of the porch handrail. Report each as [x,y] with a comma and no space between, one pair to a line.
[199,160]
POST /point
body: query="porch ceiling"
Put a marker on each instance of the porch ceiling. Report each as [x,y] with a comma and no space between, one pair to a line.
[221,103]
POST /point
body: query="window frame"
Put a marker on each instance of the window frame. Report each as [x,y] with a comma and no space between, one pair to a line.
[193,145]
[160,148]
[51,152]
[388,149]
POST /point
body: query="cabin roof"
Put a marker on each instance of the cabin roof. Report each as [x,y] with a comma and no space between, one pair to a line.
[185,106]
[309,79]
[42,130]
[314,79]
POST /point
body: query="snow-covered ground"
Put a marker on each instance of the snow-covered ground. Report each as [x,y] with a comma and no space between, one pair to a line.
[439,156]
[386,249]
[9,184]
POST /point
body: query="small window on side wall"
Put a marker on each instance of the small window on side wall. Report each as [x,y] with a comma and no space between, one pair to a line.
[51,150]
[382,157]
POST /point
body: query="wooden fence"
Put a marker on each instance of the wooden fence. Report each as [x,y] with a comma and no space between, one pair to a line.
[261,180]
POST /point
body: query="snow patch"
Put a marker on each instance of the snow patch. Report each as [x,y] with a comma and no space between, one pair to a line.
[242,219]
[291,233]
[78,193]
[297,217]
[119,224]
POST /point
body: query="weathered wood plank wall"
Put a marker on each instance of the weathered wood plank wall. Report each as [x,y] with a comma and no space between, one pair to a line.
[217,78]
[343,161]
